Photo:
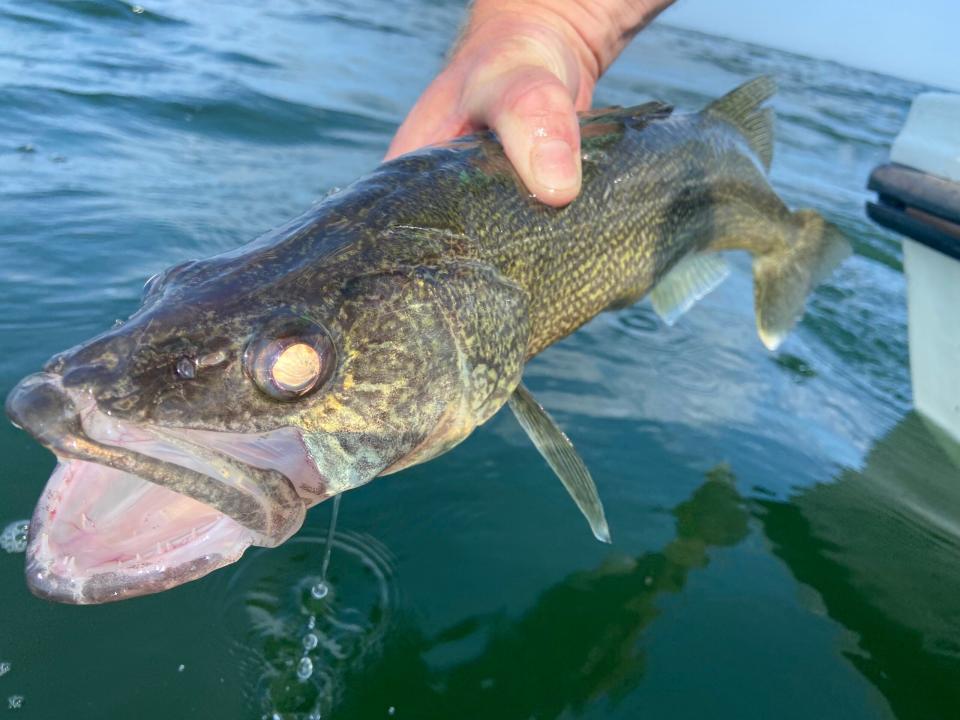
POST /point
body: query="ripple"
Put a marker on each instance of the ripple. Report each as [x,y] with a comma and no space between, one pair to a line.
[236,112]
[111,10]
[297,649]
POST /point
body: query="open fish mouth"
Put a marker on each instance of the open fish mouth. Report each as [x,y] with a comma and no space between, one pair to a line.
[135,509]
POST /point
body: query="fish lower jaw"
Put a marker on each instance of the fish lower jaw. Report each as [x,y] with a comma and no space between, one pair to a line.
[186,501]
[100,534]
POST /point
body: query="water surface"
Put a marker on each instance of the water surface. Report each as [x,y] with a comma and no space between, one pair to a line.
[786,529]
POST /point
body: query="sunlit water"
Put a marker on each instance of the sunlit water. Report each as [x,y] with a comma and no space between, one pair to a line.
[785,530]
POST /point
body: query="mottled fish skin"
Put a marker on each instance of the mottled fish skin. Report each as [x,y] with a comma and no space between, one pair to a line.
[436,277]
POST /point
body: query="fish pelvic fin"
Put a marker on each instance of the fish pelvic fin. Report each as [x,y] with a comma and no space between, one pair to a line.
[741,108]
[784,276]
[562,457]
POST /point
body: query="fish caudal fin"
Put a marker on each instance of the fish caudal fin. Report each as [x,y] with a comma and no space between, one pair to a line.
[741,108]
[784,276]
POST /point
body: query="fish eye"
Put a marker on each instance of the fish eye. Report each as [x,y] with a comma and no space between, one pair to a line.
[292,365]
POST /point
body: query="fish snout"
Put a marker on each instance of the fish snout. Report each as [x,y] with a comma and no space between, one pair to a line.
[39,405]
[96,362]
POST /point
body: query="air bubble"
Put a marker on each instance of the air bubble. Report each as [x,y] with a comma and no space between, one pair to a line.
[304,668]
[13,539]
[15,702]
[4,668]
[309,641]
[320,590]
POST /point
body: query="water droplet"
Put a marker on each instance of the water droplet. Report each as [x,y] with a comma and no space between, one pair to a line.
[304,668]
[181,668]
[15,702]
[320,590]
[13,539]
[4,668]
[309,641]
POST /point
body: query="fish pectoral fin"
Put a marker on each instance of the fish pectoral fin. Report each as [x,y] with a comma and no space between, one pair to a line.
[562,457]
[687,282]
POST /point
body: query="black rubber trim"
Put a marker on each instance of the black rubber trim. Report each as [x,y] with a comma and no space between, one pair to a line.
[923,207]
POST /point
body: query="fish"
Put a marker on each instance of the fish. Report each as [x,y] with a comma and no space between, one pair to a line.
[378,329]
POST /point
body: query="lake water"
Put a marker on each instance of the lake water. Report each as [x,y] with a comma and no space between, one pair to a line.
[786,538]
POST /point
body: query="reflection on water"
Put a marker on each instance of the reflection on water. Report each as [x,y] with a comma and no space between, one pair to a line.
[582,639]
[882,548]
[298,647]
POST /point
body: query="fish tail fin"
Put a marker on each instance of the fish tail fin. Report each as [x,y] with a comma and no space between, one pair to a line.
[783,276]
[741,108]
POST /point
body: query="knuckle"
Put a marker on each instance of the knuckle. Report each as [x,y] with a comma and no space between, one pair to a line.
[534,96]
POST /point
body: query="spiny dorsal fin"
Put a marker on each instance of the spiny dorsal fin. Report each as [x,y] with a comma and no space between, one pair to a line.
[689,280]
[741,108]
[560,454]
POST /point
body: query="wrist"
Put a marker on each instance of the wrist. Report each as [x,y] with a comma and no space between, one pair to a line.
[596,30]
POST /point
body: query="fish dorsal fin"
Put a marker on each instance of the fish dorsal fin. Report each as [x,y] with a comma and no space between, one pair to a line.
[562,457]
[741,108]
[637,114]
[689,280]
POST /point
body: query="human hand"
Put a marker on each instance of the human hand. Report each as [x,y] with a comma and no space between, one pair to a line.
[524,69]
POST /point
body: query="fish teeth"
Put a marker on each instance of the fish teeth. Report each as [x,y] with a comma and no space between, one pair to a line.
[44,544]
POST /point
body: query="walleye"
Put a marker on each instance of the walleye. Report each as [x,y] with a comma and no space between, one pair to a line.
[380,328]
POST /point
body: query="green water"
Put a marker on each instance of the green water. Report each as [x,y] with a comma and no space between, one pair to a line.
[786,538]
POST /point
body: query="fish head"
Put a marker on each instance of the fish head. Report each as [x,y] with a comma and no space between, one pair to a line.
[246,388]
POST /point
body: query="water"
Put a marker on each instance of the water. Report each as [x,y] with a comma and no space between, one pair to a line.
[786,529]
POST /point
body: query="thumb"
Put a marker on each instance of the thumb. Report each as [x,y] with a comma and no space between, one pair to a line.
[533,114]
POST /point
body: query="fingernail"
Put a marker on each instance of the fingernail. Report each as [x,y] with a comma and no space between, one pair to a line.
[553,166]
